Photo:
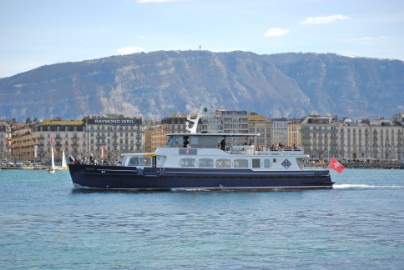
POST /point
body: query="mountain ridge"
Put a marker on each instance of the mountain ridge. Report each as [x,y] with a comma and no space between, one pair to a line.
[158,84]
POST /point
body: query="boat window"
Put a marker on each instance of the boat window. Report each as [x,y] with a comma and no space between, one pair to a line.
[256,163]
[174,141]
[223,163]
[134,161]
[170,141]
[206,163]
[240,163]
[267,163]
[146,161]
[188,151]
[193,140]
[188,162]
[274,160]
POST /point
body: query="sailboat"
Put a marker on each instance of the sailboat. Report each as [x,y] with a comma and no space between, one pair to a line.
[64,163]
[52,168]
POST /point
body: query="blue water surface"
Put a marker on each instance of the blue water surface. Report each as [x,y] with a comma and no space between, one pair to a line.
[359,224]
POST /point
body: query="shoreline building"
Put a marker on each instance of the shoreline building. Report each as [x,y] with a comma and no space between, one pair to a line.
[280,131]
[109,136]
[376,140]
[22,147]
[66,136]
[155,136]
[316,135]
[263,126]
[5,141]
[106,137]
[234,122]
[211,124]
[294,133]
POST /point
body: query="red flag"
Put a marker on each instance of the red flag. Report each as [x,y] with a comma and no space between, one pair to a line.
[335,165]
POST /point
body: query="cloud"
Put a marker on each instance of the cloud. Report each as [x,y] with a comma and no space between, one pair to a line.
[157,1]
[129,50]
[324,19]
[370,39]
[276,32]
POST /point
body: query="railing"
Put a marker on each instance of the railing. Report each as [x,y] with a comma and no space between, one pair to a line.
[281,152]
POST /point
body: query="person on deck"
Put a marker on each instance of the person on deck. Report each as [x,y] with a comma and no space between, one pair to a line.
[223,144]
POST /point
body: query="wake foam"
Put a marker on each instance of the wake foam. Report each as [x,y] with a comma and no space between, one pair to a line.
[361,186]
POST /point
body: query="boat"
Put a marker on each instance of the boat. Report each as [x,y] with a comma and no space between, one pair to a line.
[52,169]
[64,163]
[204,161]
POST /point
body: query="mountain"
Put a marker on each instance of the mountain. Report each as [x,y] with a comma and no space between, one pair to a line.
[158,84]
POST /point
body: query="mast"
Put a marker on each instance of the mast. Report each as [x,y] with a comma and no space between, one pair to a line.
[195,121]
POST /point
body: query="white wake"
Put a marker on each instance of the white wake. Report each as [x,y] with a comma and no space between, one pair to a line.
[361,186]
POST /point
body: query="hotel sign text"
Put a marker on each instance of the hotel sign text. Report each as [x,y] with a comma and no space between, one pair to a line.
[106,121]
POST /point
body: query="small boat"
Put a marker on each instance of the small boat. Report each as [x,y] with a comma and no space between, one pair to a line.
[204,161]
[64,163]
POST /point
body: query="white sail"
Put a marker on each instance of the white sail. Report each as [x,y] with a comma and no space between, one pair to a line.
[52,169]
[64,163]
[53,159]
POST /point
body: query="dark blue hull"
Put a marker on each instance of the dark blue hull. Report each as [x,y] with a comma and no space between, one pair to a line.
[132,178]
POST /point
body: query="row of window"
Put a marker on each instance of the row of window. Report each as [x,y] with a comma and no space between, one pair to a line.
[304,128]
[61,128]
[235,120]
[120,128]
[108,141]
[58,136]
[121,134]
[224,163]
[114,148]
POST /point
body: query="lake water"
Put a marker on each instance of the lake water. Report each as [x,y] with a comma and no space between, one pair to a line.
[357,225]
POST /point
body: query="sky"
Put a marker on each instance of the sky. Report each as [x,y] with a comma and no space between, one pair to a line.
[34,33]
